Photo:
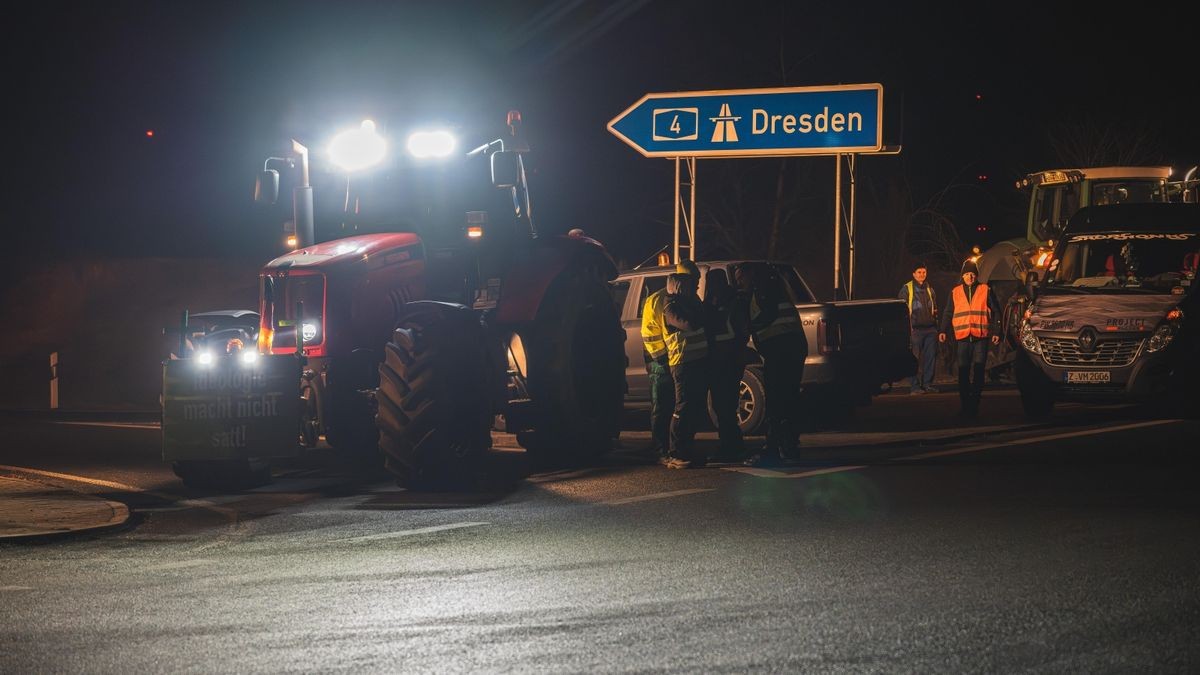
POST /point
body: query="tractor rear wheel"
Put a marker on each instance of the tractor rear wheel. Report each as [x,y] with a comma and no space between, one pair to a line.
[433,414]
[576,361]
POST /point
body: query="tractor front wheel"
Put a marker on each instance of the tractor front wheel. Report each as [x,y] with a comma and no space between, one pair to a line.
[433,415]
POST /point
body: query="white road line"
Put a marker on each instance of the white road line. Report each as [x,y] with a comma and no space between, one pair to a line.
[656,495]
[198,503]
[1037,439]
[4,589]
[767,473]
[114,425]
[179,565]
[410,533]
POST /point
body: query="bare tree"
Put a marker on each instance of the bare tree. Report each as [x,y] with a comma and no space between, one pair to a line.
[1091,142]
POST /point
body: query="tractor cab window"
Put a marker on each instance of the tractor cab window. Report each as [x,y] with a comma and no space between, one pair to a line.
[288,295]
[1127,192]
[1049,210]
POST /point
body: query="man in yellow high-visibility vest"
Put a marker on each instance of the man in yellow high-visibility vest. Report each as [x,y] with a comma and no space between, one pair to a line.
[922,323]
[973,314]
[662,385]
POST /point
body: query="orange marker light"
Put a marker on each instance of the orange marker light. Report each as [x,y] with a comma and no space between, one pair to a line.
[149,133]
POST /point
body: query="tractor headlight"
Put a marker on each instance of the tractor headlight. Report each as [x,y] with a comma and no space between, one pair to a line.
[1028,340]
[204,358]
[1161,338]
[248,357]
[308,331]
[424,144]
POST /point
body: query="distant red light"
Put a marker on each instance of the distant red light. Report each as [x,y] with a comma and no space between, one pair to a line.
[149,133]
[982,176]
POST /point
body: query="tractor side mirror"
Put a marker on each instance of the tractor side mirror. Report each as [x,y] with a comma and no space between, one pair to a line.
[266,188]
[506,169]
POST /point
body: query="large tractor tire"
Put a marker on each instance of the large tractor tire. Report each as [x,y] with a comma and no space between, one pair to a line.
[434,417]
[223,474]
[751,403]
[575,350]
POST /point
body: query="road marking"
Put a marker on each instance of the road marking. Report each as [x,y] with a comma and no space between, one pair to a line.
[230,514]
[767,473]
[656,495]
[114,425]
[4,589]
[1037,439]
[179,565]
[413,532]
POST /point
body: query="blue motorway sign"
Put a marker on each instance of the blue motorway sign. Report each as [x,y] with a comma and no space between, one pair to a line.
[747,122]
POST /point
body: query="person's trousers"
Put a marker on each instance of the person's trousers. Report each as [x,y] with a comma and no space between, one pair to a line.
[783,369]
[972,357]
[726,384]
[691,394]
[924,346]
[662,404]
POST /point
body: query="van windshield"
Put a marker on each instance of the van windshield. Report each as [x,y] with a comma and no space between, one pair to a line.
[1157,262]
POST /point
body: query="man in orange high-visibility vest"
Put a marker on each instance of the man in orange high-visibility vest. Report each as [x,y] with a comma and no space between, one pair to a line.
[974,316]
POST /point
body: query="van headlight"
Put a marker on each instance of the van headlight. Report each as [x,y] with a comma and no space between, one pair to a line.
[1161,338]
[1028,340]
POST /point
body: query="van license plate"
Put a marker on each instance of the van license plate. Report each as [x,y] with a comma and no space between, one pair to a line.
[1088,376]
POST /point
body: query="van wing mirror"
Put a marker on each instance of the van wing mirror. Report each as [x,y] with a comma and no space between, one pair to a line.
[1031,282]
[266,188]
[506,169]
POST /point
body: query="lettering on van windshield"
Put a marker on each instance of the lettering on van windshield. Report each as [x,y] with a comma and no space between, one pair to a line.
[1126,236]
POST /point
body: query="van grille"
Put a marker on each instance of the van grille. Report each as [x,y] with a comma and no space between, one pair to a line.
[1109,352]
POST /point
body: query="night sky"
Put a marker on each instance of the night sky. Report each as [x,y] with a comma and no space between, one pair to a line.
[969,92]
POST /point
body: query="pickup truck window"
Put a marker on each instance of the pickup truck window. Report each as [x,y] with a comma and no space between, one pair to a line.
[800,293]
[620,290]
[650,285]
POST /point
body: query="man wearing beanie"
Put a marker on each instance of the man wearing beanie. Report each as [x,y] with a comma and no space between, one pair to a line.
[974,316]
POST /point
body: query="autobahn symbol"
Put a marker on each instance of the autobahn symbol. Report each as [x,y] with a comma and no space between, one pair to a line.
[724,131]
[747,122]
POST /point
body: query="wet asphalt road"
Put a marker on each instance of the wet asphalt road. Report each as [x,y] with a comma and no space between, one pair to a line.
[1067,547]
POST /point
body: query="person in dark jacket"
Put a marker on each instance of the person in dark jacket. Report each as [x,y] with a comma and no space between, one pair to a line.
[687,351]
[974,316]
[727,331]
[780,341]
[923,329]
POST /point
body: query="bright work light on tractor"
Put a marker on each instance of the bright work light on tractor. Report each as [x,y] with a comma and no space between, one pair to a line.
[424,144]
[359,148]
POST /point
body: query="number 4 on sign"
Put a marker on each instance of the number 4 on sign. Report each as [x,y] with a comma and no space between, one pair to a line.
[675,124]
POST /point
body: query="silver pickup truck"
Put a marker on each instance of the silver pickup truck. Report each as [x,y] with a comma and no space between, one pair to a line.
[854,346]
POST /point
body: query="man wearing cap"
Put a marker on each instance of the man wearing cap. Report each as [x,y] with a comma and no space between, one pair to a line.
[662,384]
[974,315]
[922,323]
[687,351]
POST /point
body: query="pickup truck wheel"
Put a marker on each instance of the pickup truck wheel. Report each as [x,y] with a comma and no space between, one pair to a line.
[1037,394]
[434,419]
[751,404]
[223,474]
[576,360]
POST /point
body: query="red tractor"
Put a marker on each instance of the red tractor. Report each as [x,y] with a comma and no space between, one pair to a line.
[436,310]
